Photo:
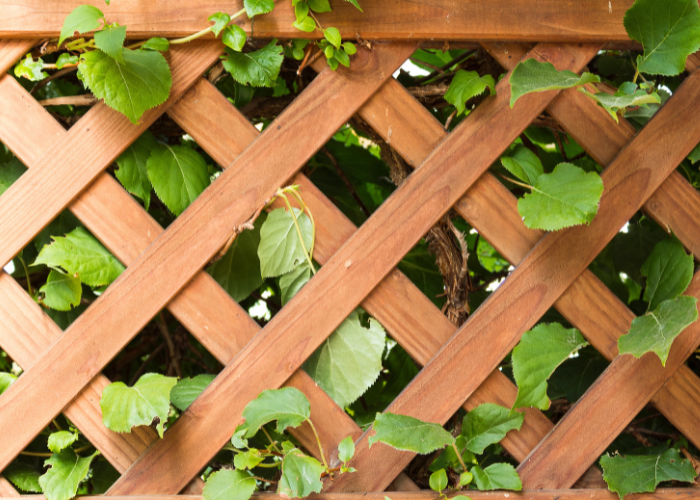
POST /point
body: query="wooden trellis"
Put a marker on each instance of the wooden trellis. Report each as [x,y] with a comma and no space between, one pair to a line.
[164,267]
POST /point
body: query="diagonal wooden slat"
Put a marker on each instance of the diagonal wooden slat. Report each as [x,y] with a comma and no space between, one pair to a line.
[295,332]
[493,330]
[12,50]
[187,245]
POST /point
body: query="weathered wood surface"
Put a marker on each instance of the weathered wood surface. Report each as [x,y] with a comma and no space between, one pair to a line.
[552,20]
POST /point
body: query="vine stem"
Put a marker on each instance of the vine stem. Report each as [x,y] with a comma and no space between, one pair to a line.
[318,440]
[459,457]
[200,34]
[517,183]
[281,194]
[305,208]
[26,273]
[272,442]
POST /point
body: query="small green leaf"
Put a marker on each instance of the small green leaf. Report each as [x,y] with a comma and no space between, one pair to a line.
[142,82]
[536,357]
[257,7]
[157,43]
[132,172]
[238,439]
[465,478]
[288,406]
[306,24]
[248,460]
[534,76]
[656,330]
[220,20]
[694,155]
[126,407]
[524,164]
[23,476]
[80,253]
[82,19]
[620,101]
[287,446]
[568,196]
[67,471]
[238,271]
[188,389]
[61,291]
[465,85]
[356,4]
[668,271]
[179,174]
[30,69]
[6,380]
[229,484]
[111,41]
[319,5]
[301,475]
[487,424]
[349,361]
[280,250]
[59,441]
[333,36]
[342,57]
[234,37]
[350,48]
[301,11]
[409,434]
[346,449]
[9,173]
[65,60]
[259,68]
[292,282]
[497,477]
[669,32]
[638,474]
[329,52]
[438,480]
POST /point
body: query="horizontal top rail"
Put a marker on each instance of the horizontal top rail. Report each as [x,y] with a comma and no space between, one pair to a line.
[467,20]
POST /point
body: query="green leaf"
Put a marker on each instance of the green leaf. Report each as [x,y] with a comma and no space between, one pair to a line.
[534,76]
[61,440]
[487,424]
[333,36]
[259,68]
[229,484]
[132,172]
[319,5]
[668,271]
[248,459]
[111,41]
[78,252]
[6,380]
[356,4]
[438,480]
[64,223]
[306,24]
[126,407]
[280,250]
[157,43]
[288,406]
[638,474]
[409,434]
[179,174]
[465,478]
[30,69]
[82,19]
[536,357]
[342,57]
[346,449]
[65,60]
[67,471]
[142,82]
[238,271]
[104,475]
[9,173]
[567,197]
[669,31]
[23,476]
[294,281]
[301,475]
[497,477]
[465,85]
[620,101]
[656,330]
[220,20]
[524,164]
[257,7]
[238,439]
[301,11]
[694,155]
[349,48]
[61,291]
[349,361]
[188,389]
[234,37]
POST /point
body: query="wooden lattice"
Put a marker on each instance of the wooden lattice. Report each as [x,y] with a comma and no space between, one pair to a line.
[165,266]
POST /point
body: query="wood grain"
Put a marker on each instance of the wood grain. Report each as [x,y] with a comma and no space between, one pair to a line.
[11,51]
[553,20]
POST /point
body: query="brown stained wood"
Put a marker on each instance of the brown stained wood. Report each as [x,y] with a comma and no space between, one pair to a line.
[295,332]
[187,245]
[553,20]
[11,51]
[6,489]
[493,330]
[85,151]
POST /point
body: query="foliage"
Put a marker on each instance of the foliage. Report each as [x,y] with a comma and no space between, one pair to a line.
[409,434]
[65,474]
[488,424]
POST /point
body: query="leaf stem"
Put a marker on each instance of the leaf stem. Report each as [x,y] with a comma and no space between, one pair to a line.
[517,183]
[200,34]
[26,273]
[459,457]
[281,194]
[318,440]
[56,424]
[272,441]
[36,454]
[306,209]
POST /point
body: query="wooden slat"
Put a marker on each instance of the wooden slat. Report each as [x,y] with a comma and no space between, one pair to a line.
[295,332]
[553,20]
[7,490]
[85,151]
[187,246]
[407,314]
[11,51]
[494,329]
